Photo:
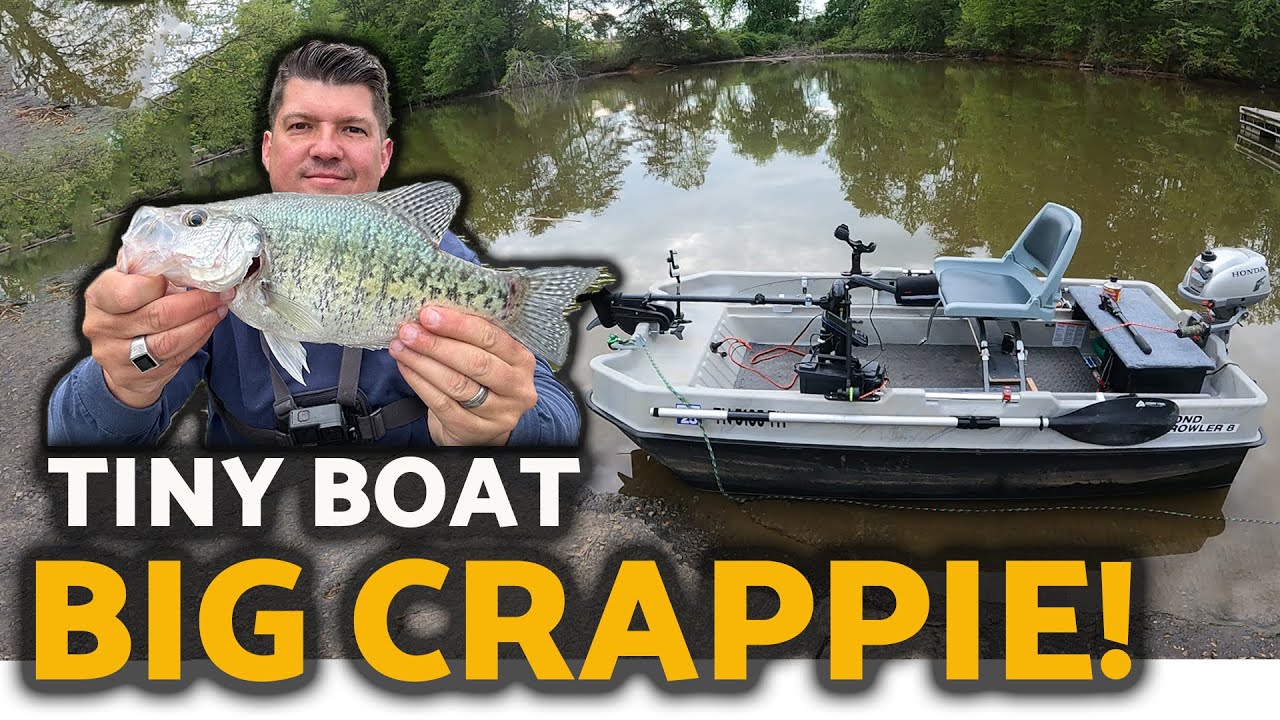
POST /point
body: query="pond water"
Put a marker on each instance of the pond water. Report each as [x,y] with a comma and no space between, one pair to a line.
[93,53]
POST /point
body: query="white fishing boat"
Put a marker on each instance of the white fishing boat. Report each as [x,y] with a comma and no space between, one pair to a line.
[972,378]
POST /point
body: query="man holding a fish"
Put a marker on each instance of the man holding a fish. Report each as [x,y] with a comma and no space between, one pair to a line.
[410,341]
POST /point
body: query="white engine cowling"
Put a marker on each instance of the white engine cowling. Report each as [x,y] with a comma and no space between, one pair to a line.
[1225,280]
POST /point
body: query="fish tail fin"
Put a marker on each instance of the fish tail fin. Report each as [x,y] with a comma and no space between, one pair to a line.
[541,300]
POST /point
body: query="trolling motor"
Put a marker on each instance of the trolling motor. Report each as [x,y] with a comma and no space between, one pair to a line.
[1225,282]
[830,369]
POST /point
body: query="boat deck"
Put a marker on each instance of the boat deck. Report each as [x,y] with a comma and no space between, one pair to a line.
[936,367]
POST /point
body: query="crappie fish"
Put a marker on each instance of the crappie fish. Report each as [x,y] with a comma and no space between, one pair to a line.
[347,269]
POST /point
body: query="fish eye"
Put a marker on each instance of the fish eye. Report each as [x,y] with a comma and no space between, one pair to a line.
[194,218]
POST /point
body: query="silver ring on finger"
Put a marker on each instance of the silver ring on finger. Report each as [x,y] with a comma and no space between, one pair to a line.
[140,356]
[481,395]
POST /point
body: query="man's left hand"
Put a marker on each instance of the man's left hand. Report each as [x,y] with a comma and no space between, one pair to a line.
[447,357]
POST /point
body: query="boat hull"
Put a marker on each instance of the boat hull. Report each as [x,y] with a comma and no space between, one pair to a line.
[884,473]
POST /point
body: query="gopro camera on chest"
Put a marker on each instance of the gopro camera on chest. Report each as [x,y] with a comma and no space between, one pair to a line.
[318,425]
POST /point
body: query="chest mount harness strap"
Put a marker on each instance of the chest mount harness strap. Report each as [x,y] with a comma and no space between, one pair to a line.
[324,417]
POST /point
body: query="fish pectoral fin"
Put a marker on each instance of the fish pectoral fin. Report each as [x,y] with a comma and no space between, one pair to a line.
[304,318]
[290,354]
[429,206]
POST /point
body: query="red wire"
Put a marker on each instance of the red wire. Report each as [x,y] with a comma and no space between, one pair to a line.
[869,393]
[746,345]
[794,376]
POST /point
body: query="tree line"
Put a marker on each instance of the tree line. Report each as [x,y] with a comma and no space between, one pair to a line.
[443,47]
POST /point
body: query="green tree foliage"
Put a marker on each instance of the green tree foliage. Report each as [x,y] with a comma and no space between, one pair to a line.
[215,105]
[920,25]
[466,46]
[672,31]
[837,16]
[1257,43]
[767,16]
[1231,39]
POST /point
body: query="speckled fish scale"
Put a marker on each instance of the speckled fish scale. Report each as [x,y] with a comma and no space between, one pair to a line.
[351,269]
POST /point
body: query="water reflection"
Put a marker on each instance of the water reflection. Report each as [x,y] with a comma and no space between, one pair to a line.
[533,154]
[106,54]
[923,532]
[934,158]
[753,165]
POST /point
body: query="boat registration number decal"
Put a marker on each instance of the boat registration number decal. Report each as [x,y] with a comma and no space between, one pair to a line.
[687,420]
[1068,334]
[1196,424]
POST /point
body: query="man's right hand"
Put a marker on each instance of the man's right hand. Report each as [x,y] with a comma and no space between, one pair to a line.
[120,307]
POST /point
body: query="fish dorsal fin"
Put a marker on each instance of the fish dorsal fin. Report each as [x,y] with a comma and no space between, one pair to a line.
[430,206]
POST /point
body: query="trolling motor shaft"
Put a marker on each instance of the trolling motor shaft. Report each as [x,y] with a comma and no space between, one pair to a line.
[628,311]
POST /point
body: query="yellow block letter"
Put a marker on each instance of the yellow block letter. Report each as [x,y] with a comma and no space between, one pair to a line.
[734,632]
[372,636]
[850,631]
[55,618]
[486,629]
[638,584]
[285,626]
[1026,620]
[164,620]
[962,620]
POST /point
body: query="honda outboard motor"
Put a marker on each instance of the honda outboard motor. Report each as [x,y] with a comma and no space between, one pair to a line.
[1225,282]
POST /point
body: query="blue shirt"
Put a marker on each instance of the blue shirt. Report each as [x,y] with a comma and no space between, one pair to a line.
[82,411]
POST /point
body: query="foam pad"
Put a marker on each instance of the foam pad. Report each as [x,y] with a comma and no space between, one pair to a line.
[1167,349]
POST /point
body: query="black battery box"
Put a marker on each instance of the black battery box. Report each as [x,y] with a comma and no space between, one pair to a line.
[916,289]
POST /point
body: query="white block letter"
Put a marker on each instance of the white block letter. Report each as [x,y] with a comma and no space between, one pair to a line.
[549,470]
[483,476]
[385,492]
[78,471]
[328,492]
[251,491]
[167,483]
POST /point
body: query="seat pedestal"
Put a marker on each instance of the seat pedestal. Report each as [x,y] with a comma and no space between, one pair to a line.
[1020,352]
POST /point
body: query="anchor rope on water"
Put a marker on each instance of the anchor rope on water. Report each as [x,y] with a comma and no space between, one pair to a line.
[614,343]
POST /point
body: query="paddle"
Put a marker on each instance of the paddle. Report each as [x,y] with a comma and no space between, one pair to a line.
[1119,421]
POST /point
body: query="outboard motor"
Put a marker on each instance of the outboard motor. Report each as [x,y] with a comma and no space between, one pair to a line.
[1225,282]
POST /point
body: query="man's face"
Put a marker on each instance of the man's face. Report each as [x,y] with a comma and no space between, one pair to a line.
[325,140]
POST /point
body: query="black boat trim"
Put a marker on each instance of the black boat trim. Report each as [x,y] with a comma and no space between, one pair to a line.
[790,470]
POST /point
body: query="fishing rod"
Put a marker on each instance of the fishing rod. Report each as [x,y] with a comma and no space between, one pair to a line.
[1112,307]
[1126,420]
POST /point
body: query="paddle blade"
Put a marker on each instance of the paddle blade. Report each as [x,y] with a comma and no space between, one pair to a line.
[1120,421]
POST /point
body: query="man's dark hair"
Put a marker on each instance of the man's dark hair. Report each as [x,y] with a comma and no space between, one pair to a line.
[336,64]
